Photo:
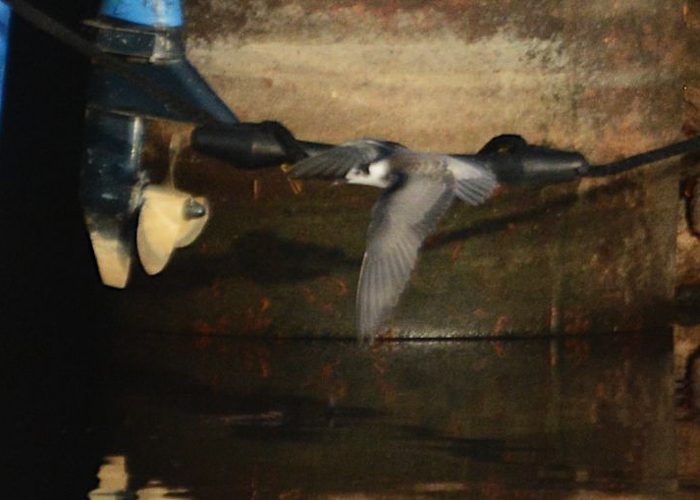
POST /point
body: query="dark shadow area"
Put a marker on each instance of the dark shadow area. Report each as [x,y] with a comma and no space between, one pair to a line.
[50,305]
[486,450]
[175,392]
[266,258]
[261,257]
[497,224]
[688,305]
[687,313]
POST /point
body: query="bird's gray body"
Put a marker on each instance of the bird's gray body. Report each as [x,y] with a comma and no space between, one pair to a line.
[418,190]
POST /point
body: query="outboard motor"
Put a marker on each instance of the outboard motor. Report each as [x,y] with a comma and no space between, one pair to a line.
[146,36]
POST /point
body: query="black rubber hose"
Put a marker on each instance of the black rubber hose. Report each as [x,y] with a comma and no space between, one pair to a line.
[654,155]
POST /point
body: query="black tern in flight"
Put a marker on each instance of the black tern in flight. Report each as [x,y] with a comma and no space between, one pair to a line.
[418,190]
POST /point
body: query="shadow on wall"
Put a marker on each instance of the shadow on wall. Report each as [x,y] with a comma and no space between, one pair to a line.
[260,256]
[266,258]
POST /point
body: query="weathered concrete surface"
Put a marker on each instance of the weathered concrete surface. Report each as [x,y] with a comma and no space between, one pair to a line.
[282,259]
[687,331]
[601,76]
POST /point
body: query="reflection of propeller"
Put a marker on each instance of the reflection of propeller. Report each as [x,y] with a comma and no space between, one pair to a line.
[169,218]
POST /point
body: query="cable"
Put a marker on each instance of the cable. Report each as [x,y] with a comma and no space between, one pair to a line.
[286,141]
[64,34]
[654,155]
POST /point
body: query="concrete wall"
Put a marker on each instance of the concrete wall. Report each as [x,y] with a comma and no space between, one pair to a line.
[602,77]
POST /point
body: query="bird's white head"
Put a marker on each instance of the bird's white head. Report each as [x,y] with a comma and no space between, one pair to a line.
[377,174]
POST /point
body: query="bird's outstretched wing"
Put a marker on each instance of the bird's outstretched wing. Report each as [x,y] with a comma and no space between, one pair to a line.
[401,219]
[474,184]
[334,163]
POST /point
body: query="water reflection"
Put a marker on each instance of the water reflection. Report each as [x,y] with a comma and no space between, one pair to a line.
[113,480]
[246,418]
[114,484]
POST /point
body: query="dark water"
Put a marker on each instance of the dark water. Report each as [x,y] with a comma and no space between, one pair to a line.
[216,418]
